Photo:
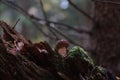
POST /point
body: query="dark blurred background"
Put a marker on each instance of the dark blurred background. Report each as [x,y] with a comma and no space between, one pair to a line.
[57,11]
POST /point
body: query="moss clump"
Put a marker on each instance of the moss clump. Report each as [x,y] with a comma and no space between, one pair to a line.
[80,52]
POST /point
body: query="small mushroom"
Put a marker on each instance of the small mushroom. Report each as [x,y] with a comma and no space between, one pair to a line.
[62,47]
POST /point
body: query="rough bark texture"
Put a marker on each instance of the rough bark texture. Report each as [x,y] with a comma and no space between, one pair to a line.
[106,34]
[17,67]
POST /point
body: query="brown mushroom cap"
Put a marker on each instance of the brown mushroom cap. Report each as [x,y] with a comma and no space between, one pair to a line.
[62,43]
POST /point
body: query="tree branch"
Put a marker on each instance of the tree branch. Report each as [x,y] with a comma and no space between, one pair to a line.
[61,24]
[46,20]
[81,11]
[45,34]
[65,36]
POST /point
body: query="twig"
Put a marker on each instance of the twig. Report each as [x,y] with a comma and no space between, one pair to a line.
[42,8]
[21,10]
[14,34]
[70,27]
[81,11]
[16,23]
[110,2]
[62,24]
[45,34]
[65,36]
[46,20]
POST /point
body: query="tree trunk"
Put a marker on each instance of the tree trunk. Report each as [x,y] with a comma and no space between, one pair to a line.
[106,34]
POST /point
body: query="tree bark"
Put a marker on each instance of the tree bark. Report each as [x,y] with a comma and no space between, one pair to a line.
[106,34]
[17,67]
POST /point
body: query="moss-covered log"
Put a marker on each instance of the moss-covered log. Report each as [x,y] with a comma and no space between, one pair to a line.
[17,67]
[20,59]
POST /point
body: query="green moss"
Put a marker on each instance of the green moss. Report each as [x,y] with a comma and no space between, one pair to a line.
[99,69]
[80,52]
